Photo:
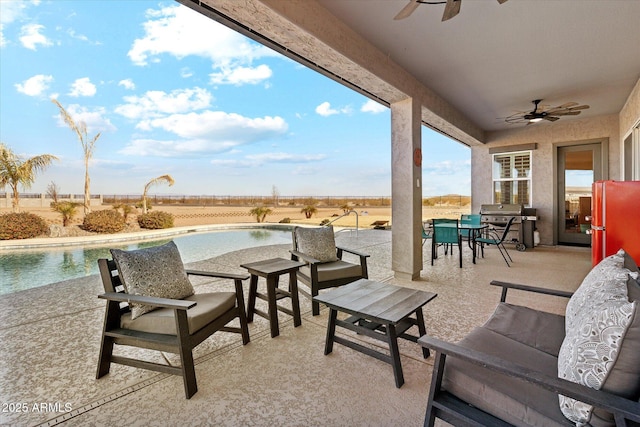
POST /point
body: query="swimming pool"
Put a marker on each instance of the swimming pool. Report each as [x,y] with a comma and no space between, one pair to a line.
[30,268]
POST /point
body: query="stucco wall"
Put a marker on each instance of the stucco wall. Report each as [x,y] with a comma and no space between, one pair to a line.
[630,113]
[547,136]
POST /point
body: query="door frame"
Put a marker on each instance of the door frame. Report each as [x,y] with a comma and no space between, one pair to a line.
[604,173]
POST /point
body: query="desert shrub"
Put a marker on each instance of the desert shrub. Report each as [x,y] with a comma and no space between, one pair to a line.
[286,220]
[105,221]
[22,225]
[155,220]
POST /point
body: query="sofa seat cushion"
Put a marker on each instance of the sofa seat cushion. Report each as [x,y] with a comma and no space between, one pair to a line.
[538,329]
[209,307]
[333,270]
[515,401]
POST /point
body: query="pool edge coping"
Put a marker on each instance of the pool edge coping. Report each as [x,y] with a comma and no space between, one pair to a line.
[48,242]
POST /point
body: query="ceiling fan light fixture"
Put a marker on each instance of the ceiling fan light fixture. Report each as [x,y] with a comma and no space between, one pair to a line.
[535,120]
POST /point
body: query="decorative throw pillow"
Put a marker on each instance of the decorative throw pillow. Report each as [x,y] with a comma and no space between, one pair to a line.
[590,352]
[598,286]
[157,271]
[318,242]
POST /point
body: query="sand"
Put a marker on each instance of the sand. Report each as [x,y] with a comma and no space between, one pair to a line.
[199,215]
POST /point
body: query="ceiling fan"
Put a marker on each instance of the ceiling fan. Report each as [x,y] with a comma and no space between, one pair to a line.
[451,9]
[542,112]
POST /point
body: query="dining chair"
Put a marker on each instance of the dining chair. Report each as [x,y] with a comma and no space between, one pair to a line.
[472,219]
[445,232]
[427,232]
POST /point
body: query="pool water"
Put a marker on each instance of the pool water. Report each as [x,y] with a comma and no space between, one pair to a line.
[30,268]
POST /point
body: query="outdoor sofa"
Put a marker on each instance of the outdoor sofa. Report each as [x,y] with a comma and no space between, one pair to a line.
[518,367]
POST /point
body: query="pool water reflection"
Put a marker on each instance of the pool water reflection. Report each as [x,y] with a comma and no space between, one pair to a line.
[30,268]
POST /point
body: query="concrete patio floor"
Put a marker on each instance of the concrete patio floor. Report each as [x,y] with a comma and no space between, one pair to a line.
[50,340]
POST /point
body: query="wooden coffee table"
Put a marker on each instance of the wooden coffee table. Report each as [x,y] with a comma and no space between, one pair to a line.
[380,311]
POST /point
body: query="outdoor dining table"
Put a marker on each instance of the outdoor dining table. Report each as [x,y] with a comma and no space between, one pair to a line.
[475,232]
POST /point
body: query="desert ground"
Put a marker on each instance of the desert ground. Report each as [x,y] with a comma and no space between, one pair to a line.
[198,215]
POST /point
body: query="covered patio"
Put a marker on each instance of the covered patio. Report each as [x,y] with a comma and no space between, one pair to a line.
[50,341]
[464,78]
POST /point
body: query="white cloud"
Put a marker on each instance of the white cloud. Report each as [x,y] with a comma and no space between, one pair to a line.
[372,106]
[127,84]
[180,31]
[185,72]
[260,159]
[34,86]
[94,119]
[241,75]
[82,87]
[30,36]
[157,103]
[206,132]
[286,158]
[326,110]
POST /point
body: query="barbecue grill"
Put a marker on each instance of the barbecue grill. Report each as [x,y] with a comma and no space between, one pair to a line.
[521,232]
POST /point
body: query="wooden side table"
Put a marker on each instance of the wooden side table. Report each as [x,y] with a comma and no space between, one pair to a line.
[271,270]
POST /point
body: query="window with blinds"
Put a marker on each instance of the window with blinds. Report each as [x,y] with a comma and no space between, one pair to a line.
[512,178]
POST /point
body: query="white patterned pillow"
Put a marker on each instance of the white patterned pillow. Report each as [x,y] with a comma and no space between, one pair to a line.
[598,286]
[318,242]
[589,352]
[157,271]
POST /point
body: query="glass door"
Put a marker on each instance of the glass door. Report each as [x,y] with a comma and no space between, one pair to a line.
[578,167]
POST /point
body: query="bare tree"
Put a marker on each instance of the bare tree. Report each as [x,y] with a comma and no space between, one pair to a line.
[53,191]
[88,146]
[164,178]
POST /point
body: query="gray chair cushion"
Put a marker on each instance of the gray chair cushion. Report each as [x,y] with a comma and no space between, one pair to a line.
[209,307]
[538,329]
[157,271]
[515,401]
[333,270]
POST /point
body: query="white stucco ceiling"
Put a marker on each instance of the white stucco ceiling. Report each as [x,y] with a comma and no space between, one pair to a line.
[492,60]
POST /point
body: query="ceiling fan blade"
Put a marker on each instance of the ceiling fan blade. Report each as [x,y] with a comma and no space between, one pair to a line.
[579,107]
[551,118]
[451,9]
[566,105]
[407,10]
[566,113]
[502,1]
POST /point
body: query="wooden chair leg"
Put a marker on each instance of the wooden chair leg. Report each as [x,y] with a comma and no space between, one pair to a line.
[186,354]
[104,359]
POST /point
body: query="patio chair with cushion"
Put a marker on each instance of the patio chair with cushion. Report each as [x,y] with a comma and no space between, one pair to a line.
[325,268]
[445,233]
[151,304]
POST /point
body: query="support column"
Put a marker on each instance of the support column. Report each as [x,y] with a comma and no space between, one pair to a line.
[406,189]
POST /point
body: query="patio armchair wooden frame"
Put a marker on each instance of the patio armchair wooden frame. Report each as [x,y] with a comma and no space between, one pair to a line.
[182,343]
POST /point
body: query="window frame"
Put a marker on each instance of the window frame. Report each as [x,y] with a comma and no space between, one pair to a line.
[496,179]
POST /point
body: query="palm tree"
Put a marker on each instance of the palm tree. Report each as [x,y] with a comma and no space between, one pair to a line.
[66,209]
[260,212]
[14,170]
[166,178]
[88,146]
[309,210]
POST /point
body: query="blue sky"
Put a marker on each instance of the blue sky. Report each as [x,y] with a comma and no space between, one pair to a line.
[173,92]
